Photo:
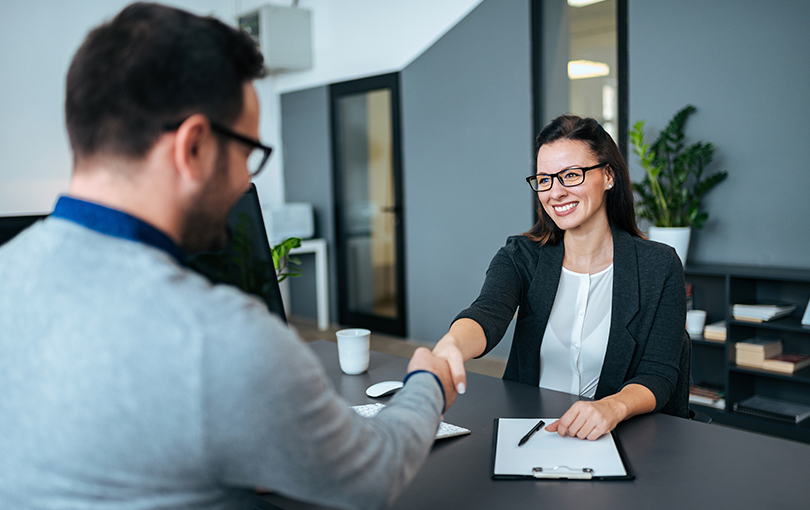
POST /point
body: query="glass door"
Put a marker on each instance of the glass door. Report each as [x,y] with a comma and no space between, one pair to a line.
[368,203]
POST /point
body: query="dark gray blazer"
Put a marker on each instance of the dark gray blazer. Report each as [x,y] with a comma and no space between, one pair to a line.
[647,343]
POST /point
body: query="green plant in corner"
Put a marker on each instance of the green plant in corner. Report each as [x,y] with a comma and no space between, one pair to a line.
[674,184]
[283,261]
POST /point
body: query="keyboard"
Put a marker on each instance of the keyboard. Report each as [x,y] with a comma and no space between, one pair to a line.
[445,429]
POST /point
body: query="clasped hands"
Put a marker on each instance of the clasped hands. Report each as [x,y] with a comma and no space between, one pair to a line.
[424,359]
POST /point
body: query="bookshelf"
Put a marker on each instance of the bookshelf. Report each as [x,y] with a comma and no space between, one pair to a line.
[716,288]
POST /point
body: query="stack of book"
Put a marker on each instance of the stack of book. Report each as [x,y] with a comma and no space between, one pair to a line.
[752,352]
[715,332]
[707,397]
[766,353]
[762,312]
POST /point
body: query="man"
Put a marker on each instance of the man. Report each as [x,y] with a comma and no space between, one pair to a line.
[129,381]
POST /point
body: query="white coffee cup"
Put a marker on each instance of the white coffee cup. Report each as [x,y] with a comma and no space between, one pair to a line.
[353,350]
[695,320]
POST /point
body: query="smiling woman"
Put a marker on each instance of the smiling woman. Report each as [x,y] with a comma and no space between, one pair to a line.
[563,276]
[572,143]
[575,203]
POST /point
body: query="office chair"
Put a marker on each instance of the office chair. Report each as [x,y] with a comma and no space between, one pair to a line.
[699,416]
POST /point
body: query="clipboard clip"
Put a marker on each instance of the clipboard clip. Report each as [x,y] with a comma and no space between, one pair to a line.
[563,472]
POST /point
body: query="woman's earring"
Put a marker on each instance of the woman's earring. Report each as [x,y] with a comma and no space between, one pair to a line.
[610,186]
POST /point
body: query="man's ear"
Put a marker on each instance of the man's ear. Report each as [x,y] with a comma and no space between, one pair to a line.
[194,148]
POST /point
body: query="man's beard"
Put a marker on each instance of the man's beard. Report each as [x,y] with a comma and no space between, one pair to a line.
[206,220]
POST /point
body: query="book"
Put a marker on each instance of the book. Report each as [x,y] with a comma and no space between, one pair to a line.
[690,296]
[753,363]
[766,347]
[773,409]
[754,351]
[787,362]
[707,397]
[715,332]
[761,311]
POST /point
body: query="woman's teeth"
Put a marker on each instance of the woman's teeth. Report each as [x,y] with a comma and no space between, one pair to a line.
[566,207]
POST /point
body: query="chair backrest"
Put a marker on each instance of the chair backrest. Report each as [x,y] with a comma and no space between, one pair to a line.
[678,404]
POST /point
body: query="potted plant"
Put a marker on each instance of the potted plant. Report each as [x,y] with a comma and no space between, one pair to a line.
[674,183]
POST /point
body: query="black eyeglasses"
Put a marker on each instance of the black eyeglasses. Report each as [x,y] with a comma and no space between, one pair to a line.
[569,178]
[257,158]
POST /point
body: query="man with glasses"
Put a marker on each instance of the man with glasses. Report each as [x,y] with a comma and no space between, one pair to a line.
[129,381]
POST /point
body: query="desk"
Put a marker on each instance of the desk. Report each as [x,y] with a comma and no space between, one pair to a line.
[678,463]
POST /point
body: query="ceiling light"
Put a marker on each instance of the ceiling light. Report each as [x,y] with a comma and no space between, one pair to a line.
[583,3]
[578,69]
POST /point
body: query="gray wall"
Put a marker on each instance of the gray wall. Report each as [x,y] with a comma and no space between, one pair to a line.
[467,138]
[308,178]
[744,65]
[467,145]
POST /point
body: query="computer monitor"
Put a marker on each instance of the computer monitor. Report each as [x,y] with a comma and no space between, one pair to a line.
[10,226]
[247,260]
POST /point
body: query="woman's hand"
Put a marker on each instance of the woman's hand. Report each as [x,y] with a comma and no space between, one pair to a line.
[592,420]
[588,420]
[448,349]
[465,340]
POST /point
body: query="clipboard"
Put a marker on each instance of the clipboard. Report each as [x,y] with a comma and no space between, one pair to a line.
[549,456]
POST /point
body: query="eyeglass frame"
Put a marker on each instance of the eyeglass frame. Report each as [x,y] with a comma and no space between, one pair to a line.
[559,177]
[222,130]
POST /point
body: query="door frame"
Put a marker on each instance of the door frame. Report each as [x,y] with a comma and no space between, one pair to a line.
[347,317]
[538,88]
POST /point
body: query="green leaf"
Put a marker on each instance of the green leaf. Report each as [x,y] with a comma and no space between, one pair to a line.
[699,220]
[282,259]
[673,185]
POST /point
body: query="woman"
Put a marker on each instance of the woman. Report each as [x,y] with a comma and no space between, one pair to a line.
[601,311]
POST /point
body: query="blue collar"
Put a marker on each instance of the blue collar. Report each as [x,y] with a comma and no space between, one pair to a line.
[115,223]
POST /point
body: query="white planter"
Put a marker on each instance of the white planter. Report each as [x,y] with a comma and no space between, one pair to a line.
[677,237]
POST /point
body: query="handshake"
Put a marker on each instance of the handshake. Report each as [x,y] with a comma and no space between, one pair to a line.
[424,359]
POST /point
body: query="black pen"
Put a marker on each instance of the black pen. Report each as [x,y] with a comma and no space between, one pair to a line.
[529,435]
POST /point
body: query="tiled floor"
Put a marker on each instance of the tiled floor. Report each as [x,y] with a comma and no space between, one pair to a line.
[308,330]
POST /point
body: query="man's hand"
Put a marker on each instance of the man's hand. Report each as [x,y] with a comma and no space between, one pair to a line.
[423,359]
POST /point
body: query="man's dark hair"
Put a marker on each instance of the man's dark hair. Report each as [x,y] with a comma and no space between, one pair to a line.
[149,66]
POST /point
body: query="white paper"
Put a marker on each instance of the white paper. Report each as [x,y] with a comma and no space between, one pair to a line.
[549,450]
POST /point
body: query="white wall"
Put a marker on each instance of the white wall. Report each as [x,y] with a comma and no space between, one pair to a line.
[351,38]
[37,40]
[357,38]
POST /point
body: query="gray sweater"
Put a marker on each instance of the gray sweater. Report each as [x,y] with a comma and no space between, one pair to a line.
[129,382]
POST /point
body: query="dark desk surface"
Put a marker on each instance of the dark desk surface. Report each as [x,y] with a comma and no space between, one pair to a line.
[678,463]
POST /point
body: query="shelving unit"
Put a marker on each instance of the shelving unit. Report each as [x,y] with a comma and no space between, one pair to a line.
[715,289]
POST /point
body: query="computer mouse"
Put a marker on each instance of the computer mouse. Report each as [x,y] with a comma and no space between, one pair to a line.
[383,389]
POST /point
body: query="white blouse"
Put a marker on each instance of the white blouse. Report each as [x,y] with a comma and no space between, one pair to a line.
[576,336]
